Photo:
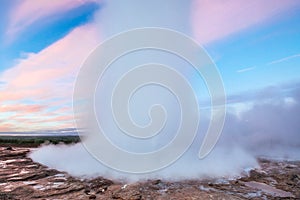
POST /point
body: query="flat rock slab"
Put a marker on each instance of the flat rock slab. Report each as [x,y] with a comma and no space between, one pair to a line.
[269,189]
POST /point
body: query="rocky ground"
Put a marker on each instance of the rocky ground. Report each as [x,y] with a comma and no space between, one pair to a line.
[21,178]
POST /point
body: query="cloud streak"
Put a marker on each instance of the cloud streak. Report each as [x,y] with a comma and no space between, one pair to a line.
[27,12]
[21,108]
[283,59]
[245,69]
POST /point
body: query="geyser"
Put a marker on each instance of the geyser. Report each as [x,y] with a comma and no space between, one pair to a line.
[243,133]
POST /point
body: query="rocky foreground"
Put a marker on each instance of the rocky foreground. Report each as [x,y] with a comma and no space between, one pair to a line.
[21,178]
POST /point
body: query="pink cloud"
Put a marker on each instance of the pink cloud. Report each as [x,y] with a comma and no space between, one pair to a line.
[58,62]
[46,79]
[214,20]
[21,108]
[27,12]
[6,127]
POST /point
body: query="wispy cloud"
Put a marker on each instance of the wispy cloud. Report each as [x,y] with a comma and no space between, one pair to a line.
[283,59]
[27,12]
[214,20]
[245,69]
[20,108]
[45,79]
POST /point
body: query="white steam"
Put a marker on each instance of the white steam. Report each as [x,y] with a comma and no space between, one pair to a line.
[74,159]
[118,16]
[268,128]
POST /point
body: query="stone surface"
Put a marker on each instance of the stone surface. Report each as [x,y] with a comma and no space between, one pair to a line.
[21,178]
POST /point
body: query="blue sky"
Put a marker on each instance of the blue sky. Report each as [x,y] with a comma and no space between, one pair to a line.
[43,44]
[246,57]
[40,34]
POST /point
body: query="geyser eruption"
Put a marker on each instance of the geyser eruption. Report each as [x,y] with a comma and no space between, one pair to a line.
[230,157]
[107,118]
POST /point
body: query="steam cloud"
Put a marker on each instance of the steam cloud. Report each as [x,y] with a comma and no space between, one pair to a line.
[268,127]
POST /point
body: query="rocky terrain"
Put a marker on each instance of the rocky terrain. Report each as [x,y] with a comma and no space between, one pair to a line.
[21,178]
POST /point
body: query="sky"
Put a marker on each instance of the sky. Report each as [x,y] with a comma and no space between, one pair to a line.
[255,45]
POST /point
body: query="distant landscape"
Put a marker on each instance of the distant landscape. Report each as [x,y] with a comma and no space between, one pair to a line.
[35,141]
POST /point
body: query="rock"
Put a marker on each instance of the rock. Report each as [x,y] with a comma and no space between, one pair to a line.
[87,191]
[101,190]
[255,174]
[210,184]
[155,182]
[272,191]
[9,148]
[295,177]
[92,196]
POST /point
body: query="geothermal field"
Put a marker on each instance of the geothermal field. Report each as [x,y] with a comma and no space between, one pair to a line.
[149,100]
[22,178]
